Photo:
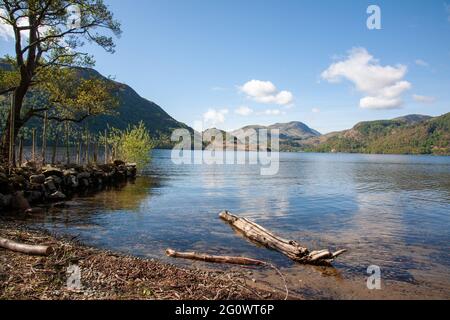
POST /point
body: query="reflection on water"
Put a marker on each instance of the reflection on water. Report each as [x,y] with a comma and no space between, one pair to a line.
[391,211]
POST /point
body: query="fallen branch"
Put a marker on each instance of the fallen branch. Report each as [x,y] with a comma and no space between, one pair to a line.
[215,259]
[25,248]
[228,260]
[289,248]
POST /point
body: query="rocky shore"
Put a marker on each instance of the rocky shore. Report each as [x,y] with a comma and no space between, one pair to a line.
[110,276]
[27,186]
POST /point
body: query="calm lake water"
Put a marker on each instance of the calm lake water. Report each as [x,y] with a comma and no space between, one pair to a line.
[389,211]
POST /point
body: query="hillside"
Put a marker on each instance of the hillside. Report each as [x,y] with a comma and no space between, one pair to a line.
[291,136]
[413,134]
[132,109]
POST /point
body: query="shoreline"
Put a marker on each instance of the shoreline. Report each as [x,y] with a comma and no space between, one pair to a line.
[107,275]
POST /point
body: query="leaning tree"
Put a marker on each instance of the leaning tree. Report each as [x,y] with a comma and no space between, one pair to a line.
[49,36]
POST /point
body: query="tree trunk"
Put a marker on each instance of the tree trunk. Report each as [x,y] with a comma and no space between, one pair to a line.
[10,133]
[67,143]
[33,148]
[55,147]
[215,259]
[289,248]
[21,152]
[44,139]
[25,248]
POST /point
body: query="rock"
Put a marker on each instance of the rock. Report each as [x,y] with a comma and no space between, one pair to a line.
[34,210]
[83,175]
[119,163]
[37,179]
[3,178]
[57,180]
[57,196]
[30,165]
[84,182]
[70,172]
[34,196]
[5,200]
[19,202]
[52,171]
[50,185]
[18,182]
[4,184]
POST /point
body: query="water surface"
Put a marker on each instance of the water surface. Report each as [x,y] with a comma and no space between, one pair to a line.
[389,211]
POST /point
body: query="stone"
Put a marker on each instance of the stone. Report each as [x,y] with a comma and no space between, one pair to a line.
[5,200]
[57,196]
[83,175]
[70,172]
[57,180]
[50,185]
[35,196]
[52,171]
[18,181]
[29,165]
[34,211]
[19,201]
[37,179]
[119,163]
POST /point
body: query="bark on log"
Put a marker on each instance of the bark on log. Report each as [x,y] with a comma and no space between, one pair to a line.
[290,248]
[25,248]
[215,259]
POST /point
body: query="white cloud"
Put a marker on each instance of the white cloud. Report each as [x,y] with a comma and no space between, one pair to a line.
[422,63]
[266,92]
[424,99]
[243,111]
[214,117]
[6,31]
[315,110]
[382,85]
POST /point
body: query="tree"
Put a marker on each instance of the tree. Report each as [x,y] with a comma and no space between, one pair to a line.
[47,43]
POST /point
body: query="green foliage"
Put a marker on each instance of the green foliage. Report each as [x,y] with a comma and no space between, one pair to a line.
[430,136]
[132,145]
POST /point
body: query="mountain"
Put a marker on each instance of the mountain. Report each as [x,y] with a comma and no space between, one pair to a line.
[131,110]
[412,134]
[291,136]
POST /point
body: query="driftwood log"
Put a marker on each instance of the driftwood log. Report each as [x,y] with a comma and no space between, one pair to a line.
[289,248]
[25,248]
[215,259]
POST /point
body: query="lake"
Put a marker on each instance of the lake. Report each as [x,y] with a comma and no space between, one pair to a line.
[389,211]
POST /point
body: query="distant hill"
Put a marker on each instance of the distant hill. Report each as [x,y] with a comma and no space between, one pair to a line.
[291,136]
[412,134]
[413,118]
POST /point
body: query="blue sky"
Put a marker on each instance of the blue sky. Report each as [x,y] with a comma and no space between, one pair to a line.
[311,61]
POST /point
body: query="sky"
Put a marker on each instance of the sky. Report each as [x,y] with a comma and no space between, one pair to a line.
[231,63]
